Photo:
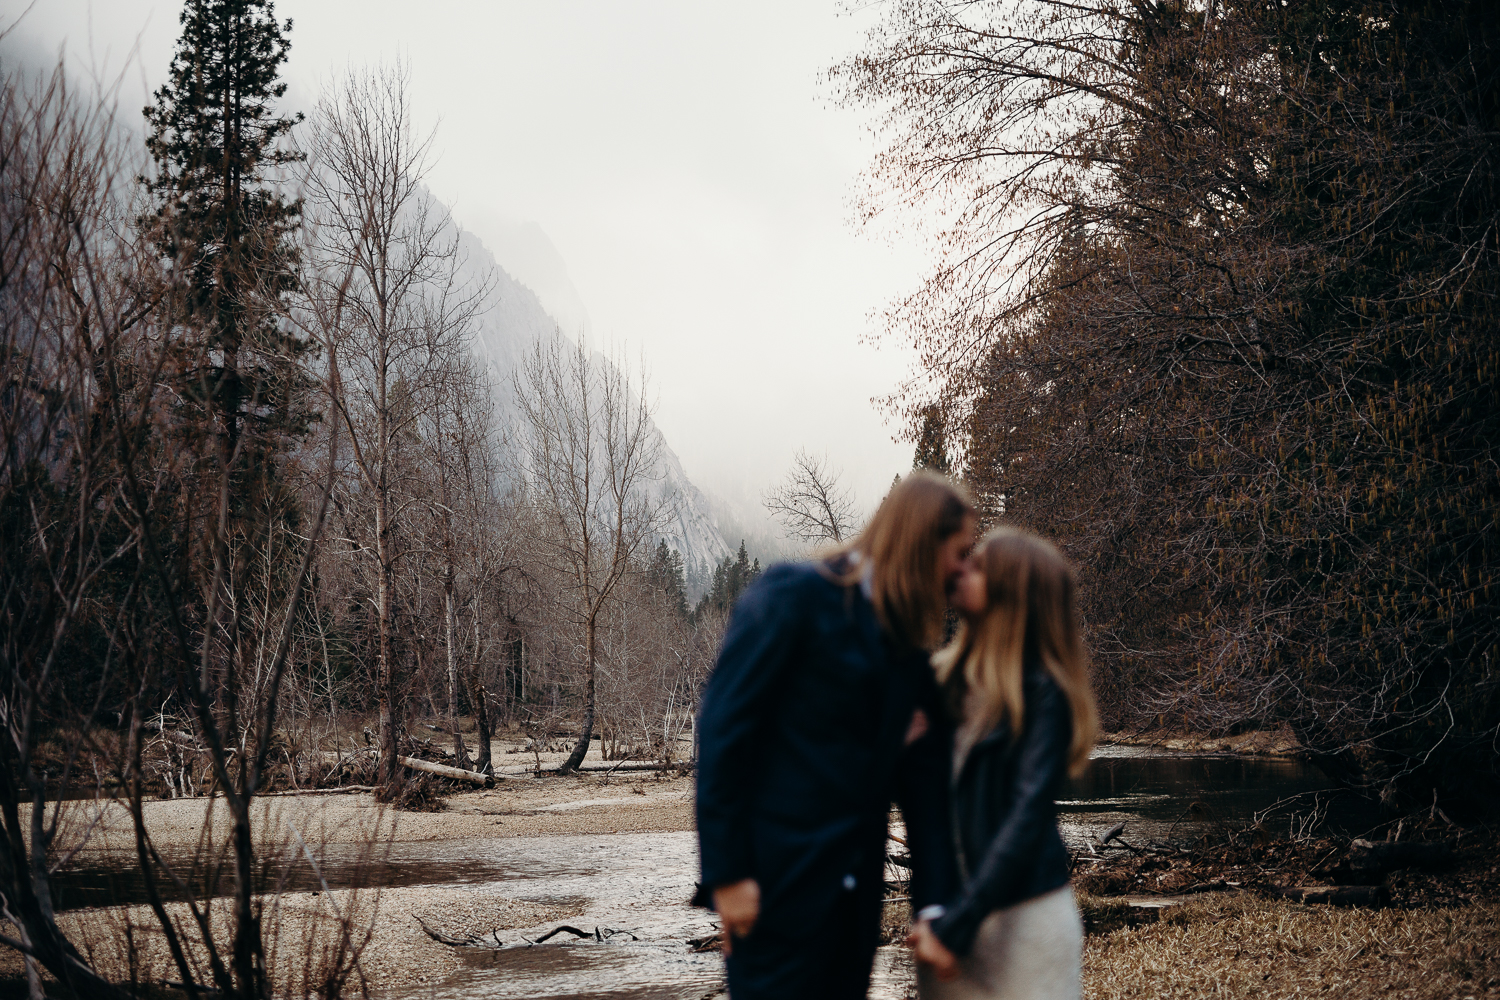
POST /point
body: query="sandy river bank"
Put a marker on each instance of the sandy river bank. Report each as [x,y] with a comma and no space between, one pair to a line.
[535,852]
[399,956]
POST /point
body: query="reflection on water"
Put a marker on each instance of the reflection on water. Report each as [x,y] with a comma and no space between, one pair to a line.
[353,868]
[1176,796]
[658,970]
[640,882]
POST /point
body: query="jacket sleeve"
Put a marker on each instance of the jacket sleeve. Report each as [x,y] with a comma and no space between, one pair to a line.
[766,623]
[922,784]
[1040,761]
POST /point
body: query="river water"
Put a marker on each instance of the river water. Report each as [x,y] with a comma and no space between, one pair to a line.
[634,887]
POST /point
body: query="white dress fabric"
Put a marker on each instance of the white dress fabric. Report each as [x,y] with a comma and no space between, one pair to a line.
[1030,951]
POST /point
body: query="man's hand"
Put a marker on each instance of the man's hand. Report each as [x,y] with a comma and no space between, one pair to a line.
[931,951]
[738,904]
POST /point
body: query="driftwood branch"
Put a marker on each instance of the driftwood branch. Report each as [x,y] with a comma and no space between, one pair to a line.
[471,941]
[492,940]
[685,765]
[708,942]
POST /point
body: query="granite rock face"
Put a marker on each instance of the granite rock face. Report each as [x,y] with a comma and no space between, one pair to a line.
[510,325]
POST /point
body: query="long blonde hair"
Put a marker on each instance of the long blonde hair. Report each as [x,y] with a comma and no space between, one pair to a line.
[902,540]
[1031,613]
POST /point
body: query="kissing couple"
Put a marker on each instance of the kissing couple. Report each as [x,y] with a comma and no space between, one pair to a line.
[828,704]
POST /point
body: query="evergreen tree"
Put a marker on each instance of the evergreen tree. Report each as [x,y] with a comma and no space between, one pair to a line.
[932,441]
[665,575]
[223,227]
[731,576]
[238,392]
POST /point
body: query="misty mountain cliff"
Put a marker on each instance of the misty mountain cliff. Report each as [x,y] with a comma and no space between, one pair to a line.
[512,322]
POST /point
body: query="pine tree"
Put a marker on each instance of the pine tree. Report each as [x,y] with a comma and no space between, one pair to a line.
[224,232]
[932,441]
[223,227]
[665,575]
[731,576]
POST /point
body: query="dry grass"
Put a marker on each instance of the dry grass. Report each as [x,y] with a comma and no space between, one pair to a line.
[1242,946]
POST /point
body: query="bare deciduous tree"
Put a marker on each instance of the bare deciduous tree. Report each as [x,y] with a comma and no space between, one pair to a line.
[811,504]
[592,456]
[394,315]
[109,618]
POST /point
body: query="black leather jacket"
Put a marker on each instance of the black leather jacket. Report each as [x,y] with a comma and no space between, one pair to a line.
[1005,816]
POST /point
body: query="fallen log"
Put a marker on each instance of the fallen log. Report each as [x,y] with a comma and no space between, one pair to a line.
[1388,856]
[444,771]
[1337,895]
[1369,861]
[340,790]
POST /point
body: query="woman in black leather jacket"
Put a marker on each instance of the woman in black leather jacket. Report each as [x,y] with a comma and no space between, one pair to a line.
[1016,682]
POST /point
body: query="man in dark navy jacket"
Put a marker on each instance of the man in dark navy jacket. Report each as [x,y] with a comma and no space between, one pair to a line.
[821,711]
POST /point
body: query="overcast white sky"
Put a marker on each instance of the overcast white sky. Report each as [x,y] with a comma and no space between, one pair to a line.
[686,164]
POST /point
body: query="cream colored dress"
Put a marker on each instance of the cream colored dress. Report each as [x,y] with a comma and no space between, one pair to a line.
[1030,951]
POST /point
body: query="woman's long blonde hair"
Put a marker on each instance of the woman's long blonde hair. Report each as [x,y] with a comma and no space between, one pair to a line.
[916,517]
[1031,614]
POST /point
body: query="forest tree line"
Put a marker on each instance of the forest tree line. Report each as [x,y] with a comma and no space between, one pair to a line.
[1216,310]
[255,493]
[252,456]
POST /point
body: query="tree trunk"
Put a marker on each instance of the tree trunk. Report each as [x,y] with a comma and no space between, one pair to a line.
[482,721]
[389,774]
[249,959]
[460,753]
[576,757]
[515,652]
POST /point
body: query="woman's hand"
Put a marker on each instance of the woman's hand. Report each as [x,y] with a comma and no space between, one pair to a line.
[917,728]
[738,904]
[932,952]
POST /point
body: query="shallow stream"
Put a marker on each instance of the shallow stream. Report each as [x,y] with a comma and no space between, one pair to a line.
[639,884]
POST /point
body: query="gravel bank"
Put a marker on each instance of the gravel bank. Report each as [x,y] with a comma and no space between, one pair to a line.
[516,807]
[398,954]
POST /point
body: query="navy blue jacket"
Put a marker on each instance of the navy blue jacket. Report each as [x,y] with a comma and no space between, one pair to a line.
[1005,812]
[801,753]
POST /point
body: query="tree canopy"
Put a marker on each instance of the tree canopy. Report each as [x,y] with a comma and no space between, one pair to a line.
[1218,313]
